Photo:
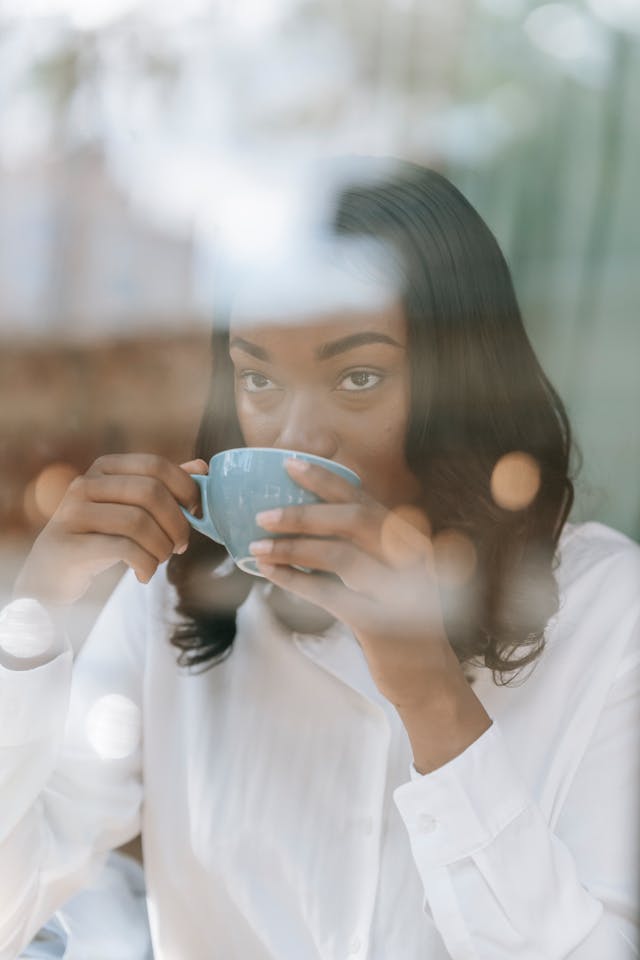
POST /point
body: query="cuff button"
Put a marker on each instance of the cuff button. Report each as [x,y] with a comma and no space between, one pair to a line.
[427,823]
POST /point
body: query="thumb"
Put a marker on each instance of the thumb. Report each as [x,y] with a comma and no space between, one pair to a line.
[195,466]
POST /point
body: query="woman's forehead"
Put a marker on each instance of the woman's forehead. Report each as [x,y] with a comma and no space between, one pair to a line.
[317,330]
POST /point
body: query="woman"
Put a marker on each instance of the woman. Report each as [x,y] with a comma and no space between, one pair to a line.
[427,748]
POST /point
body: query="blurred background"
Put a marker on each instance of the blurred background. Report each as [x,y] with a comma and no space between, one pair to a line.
[134,136]
[137,137]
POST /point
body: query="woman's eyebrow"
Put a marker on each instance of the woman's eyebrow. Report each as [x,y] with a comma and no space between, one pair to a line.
[252,348]
[328,350]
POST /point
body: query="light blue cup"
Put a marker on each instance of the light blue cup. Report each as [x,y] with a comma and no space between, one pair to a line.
[242,483]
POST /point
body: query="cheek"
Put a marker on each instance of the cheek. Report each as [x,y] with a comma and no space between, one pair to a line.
[383,462]
[384,452]
[259,422]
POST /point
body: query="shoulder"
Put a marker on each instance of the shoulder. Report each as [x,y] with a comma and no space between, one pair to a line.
[590,553]
[598,575]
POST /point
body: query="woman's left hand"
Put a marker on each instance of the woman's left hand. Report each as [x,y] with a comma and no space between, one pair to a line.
[384,586]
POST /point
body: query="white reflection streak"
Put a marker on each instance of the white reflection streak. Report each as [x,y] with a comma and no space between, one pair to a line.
[114,726]
[255,220]
[566,33]
[84,14]
[25,629]
[619,14]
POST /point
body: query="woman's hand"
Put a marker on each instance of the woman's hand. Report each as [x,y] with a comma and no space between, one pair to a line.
[376,573]
[125,507]
[384,585]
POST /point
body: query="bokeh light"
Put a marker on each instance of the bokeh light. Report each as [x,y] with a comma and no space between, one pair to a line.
[515,480]
[402,535]
[43,495]
[113,726]
[572,37]
[619,14]
[454,556]
[25,629]
[84,14]
[32,515]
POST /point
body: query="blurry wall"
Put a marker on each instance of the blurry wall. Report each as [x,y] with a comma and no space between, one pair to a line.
[68,404]
[564,203]
[125,129]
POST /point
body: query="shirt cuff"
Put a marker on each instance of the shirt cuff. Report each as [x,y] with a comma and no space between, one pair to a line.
[460,807]
[36,659]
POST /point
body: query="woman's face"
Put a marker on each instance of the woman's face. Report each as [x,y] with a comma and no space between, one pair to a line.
[334,387]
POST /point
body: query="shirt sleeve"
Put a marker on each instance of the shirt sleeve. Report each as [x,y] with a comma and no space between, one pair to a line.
[70,754]
[499,882]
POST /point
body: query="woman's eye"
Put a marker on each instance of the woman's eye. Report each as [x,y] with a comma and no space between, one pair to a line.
[256,382]
[360,380]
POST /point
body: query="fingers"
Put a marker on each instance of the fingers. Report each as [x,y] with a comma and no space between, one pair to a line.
[355,522]
[124,508]
[121,520]
[356,569]
[320,589]
[399,537]
[396,603]
[178,482]
[151,482]
[158,507]
[325,484]
[405,543]
[195,466]
[108,550]
[382,533]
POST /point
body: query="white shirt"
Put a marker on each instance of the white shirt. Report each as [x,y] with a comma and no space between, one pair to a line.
[281,815]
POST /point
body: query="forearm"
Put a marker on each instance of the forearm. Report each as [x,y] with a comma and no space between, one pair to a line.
[485,854]
[65,800]
[447,720]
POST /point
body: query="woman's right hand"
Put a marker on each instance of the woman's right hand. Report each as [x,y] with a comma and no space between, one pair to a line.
[125,507]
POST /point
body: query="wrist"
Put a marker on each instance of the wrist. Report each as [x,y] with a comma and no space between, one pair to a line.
[444,722]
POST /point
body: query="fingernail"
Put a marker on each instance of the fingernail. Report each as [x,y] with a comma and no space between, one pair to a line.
[181,549]
[268,517]
[259,547]
[268,569]
[298,466]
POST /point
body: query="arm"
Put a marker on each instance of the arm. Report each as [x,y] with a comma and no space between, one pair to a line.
[70,756]
[500,883]
[499,880]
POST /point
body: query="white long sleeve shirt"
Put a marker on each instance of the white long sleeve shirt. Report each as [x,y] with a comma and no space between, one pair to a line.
[281,815]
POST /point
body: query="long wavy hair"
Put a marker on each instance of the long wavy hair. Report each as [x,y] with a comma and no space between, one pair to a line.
[478,393]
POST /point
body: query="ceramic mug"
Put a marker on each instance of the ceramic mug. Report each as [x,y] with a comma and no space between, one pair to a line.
[242,483]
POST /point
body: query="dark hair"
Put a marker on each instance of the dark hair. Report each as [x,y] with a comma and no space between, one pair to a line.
[478,393]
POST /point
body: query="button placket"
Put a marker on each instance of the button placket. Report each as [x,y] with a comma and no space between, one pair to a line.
[363,819]
[367,821]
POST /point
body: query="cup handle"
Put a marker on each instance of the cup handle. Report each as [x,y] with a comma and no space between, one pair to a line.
[206,524]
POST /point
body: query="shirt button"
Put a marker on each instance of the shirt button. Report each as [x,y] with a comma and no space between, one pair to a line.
[355,945]
[427,823]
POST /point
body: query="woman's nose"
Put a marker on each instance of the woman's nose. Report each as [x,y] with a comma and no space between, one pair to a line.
[307,428]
